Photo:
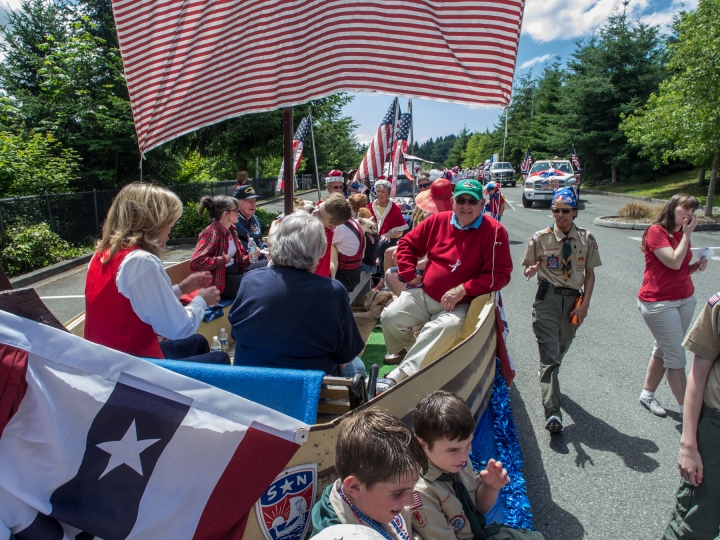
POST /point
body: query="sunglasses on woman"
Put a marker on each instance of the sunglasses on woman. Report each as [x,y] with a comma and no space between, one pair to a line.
[466,200]
[563,210]
[424,186]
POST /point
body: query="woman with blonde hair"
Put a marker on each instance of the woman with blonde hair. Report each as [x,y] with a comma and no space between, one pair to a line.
[129,299]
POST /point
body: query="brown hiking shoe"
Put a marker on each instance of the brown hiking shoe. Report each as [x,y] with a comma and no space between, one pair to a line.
[394,359]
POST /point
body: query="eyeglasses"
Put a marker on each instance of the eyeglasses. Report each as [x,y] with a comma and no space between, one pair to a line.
[337,187]
[563,210]
[466,200]
[424,186]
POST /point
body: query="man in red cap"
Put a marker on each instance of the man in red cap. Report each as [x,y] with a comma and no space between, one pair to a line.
[430,201]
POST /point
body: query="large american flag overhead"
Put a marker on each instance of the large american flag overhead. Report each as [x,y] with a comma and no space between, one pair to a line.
[193,63]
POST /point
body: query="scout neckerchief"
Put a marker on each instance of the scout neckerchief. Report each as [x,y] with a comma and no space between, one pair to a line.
[566,259]
[475,517]
[396,523]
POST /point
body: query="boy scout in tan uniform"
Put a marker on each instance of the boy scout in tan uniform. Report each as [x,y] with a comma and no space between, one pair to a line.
[564,258]
[697,511]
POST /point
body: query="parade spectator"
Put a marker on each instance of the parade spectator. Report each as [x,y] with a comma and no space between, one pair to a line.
[696,512]
[418,214]
[468,255]
[241,179]
[429,201]
[454,497]
[333,211]
[265,325]
[378,460]
[496,201]
[564,257]
[358,201]
[218,248]
[389,219]
[248,224]
[348,248]
[129,299]
[666,298]
[335,182]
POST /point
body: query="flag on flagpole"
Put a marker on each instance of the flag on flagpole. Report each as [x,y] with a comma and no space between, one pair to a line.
[399,148]
[378,152]
[526,164]
[298,144]
[575,160]
[107,445]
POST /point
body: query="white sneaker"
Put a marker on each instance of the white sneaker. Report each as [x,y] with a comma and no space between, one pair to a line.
[652,405]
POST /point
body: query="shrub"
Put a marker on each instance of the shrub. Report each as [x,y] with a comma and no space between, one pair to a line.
[634,210]
[190,223]
[29,248]
[266,218]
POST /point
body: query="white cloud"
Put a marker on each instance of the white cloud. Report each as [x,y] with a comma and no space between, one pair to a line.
[548,20]
[664,18]
[535,60]
[362,138]
[10,4]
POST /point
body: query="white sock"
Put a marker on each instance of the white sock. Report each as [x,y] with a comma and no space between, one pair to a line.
[646,394]
[681,408]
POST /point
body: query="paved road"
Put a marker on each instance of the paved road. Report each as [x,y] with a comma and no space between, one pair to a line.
[612,474]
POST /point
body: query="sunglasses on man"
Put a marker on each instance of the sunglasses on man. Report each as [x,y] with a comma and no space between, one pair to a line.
[563,210]
[466,200]
[336,187]
[424,185]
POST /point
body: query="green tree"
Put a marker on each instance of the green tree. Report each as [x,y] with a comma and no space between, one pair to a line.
[455,156]
[476,149]
[33,164]
[682,121]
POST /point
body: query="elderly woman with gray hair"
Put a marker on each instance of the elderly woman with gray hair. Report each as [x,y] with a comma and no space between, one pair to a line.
[267,316]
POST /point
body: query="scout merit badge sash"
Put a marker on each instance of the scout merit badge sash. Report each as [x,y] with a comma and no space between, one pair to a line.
[475,517]
[566,258]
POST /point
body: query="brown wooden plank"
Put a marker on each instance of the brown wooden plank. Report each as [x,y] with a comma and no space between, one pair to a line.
[337,381]
[333,407]
[341,393]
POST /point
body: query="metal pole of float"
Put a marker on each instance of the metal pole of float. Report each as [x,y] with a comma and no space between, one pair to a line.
[312,135]
[289,169]
[412,149]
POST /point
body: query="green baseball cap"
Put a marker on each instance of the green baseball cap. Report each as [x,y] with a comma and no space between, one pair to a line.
[471,187]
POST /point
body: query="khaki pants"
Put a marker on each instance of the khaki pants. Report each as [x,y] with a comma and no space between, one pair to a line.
[415,308]
[516,534]
[554,334]
[697,510]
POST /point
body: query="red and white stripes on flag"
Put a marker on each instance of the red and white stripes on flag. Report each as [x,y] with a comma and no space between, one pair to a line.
[194,63]
[527,163]
[112,446]
[298,145]
[378,152]
[399,148]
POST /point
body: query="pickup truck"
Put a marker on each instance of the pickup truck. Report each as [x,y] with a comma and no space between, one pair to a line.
[544,177]
[501,173]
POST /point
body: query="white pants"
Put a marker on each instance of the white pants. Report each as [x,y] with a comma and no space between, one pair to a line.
[668,321]
[415,308]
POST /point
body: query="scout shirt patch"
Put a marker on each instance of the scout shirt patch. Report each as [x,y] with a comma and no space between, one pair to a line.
[714,299]
[553,262]
[419,518]
[457,522]
[417,502]
[581,259]
[447,498]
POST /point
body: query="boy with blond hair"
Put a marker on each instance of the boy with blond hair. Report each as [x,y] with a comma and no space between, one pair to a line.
[454,498]
[379,460]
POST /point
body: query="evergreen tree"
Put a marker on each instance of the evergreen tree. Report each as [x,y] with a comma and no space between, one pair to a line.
[455,156]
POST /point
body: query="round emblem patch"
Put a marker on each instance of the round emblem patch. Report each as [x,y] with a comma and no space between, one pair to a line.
[457,522]
[419,518]
[581,259]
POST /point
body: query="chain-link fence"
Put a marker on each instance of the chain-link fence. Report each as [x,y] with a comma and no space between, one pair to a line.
[78,217]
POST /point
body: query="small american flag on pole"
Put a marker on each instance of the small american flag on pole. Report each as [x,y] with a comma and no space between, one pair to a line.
[379,150]
[399,149]
[194,63]
[298,143]
[575,160]
[527,163]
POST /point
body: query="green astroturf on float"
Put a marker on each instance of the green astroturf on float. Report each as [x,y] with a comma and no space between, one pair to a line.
[375,351]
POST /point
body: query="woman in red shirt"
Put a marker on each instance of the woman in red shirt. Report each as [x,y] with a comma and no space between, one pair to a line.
[666,299]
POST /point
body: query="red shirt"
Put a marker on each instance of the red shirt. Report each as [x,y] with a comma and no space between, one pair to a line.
[213,243]
[109,317]
[323,267]
[457,256]
[661,283]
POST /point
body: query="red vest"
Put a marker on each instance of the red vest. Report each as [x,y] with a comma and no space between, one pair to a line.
[109,316]
[347,262]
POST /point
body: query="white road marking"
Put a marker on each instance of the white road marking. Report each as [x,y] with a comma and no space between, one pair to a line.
[533,210]
[704,248]
[62,297]
[638,238]
[715,258]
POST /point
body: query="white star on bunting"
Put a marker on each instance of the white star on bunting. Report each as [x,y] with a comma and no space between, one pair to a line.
[126,451]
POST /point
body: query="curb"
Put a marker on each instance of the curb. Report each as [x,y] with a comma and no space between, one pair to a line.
[50,271]
[604,221]
[637,198]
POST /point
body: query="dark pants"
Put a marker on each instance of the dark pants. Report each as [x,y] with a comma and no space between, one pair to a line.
[349,278]
[382,248]
[192,349]
[233,277]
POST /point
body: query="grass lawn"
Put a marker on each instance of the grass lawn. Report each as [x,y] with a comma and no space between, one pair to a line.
[663,188]
[374,352]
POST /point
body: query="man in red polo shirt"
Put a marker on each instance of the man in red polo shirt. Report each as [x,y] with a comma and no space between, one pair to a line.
[468,255]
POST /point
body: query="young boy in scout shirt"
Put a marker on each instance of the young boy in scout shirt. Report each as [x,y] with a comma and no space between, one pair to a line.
[697,512]
[453,496]
[564,257]
[379,461]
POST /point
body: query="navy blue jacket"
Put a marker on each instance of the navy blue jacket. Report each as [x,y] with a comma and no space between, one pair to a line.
[288,318]
[250,227]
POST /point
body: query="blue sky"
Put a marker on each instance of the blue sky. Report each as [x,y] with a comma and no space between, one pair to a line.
[549,27]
